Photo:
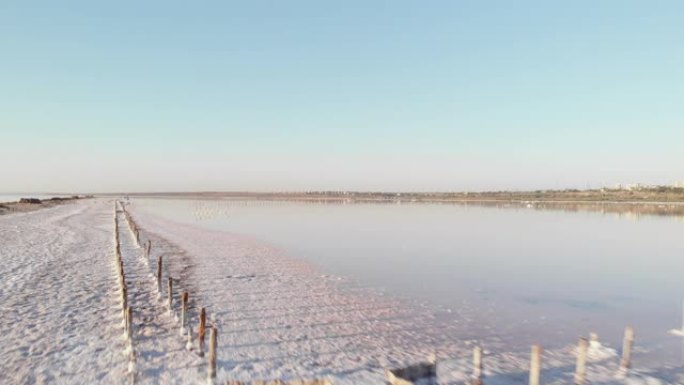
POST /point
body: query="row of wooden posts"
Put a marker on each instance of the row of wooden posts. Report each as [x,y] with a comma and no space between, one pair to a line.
[185,328]
[126,310]
[580,377]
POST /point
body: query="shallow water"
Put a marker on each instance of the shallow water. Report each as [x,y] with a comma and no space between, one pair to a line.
[536,276]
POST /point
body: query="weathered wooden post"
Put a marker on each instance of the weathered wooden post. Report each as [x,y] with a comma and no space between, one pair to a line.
[581,366]
[184,312]
[477,365]
[212,353]
[627,343]
[535,365]
[124,296]
[201,332]
[124,315]
[170,294]
[121,271]
[129,324]
[159,272]
[124,306]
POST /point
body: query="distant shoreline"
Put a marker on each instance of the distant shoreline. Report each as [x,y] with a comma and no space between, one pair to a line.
[659,195]
[32,204]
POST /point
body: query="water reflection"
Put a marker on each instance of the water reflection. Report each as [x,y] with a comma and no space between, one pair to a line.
[538,271]
[211,208]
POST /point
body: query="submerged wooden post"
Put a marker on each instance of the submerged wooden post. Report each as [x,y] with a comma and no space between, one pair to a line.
[477,365]
[212,353]
[170,294]
[202,326]
[627,343]
[535,365]
[184,312]
[581,366]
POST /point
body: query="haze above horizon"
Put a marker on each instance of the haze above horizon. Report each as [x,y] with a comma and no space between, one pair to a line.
[355,95]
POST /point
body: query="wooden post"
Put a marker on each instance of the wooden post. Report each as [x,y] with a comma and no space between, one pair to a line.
[148,249]
[212,353]
[627,343]
[477,365]
[184,312]
[535,365]
[159,271]
[581,366]
[124,307]
[129,323]
[202,326]
[121,269]
[124,297]
[170,294]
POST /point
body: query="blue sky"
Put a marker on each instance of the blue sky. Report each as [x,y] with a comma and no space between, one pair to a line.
[365,95]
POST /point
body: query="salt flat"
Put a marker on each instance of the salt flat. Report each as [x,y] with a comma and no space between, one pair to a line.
[277,316]
[57,295]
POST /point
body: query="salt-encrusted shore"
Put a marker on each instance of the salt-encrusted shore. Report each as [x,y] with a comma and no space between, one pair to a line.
[57,315]
[277,316]
[24,205]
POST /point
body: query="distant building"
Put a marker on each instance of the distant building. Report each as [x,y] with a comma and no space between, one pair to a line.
[679,184]
[629,187]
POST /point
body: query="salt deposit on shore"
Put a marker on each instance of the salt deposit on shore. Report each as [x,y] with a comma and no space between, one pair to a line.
[277,316]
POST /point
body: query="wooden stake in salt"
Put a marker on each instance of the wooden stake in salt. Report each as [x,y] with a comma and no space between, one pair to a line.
[184,312]
[170,294]
[627,343]
[477,365]
[535,365]
[129,324]
[159,272]
[581,366]
[212,353]
[202,326]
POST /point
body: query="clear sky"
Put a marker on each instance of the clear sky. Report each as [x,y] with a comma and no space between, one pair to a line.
[365,95]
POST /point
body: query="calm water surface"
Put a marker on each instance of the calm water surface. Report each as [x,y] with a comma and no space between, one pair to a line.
[535,276]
